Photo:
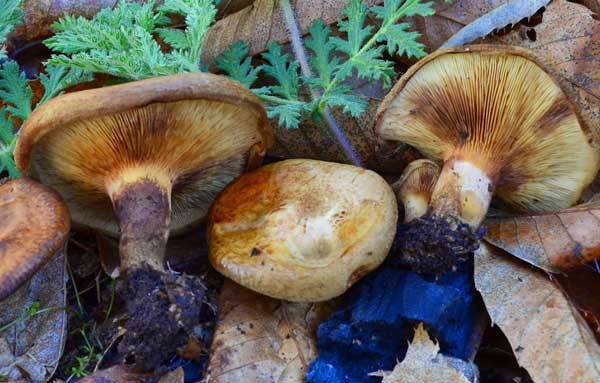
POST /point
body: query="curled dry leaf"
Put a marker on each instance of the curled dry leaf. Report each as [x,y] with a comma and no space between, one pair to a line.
[260,339]
[506,14]
[551,241]
[31,348]
[549,337]
[423,364]
[566,42]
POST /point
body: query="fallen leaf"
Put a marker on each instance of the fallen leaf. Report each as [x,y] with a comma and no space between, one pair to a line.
[176,376]
[422,364]
[30,349]
[551,241]
[507,14]
[260,339]
[548,336]
[117,374]
[565,42]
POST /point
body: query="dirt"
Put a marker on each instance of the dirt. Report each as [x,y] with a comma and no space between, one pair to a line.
[434,244]
[163,309]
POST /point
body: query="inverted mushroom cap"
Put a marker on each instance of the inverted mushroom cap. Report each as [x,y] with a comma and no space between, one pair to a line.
[302,230]
[190,133]
[493,111]
[414,187]
[34,225]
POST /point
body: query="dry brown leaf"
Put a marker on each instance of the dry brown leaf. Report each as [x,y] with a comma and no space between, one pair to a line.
[549,337]
[260,339]
[31,348]
[551,241]
[422,364]
[566,42]
[117,374]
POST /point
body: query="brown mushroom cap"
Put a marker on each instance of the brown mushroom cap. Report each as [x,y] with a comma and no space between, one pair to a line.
[499,123]
[302,230]
[414,187]
[35,224]
[192,133]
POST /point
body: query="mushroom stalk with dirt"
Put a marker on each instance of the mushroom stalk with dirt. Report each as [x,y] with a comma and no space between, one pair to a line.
[139,161]
[501,126]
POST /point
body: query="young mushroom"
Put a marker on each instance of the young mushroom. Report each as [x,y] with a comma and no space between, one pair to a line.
[413,188]
[302,230]
[143,159]
[35,226]
[501,126]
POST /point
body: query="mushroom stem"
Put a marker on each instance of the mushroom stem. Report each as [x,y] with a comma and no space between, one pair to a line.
[463,191]
[415,205]
[143,210]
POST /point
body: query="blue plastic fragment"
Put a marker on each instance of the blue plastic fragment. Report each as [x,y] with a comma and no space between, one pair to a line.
[372,328]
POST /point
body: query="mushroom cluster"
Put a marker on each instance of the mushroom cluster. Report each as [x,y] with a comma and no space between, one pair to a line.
[141,160]
[501,126]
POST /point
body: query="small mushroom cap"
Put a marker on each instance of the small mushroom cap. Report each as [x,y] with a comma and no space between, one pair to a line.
[413,188]
[35,224]
[191,133]
[496,108]
[302,230]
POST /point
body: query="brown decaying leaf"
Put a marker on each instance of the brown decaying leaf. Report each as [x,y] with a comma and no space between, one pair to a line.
[31,349]
[117,374]
[549,337]
[566,42]
[260,339]
[422,364]
[551,241]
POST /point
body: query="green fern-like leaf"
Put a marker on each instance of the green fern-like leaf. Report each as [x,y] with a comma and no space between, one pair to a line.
[15,90]
[10,16]
[235,62]
[121,41]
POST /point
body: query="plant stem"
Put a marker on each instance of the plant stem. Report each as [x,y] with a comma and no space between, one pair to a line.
[300,53]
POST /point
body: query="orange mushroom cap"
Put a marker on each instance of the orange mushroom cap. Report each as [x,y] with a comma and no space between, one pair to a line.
[35,224]
[302,230]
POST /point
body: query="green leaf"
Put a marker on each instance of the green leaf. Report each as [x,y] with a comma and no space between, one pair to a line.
[356,13]
[234,61]
[322,48]
[58,79]
[289,115]
[342,96]
[15,91]
[285,73]
[10,15]
[120,41]
[400,41]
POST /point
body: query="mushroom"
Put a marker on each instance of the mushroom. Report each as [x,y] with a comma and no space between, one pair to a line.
[35,226]
[413,188]
[141,160]
[501,126]
[302,230]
